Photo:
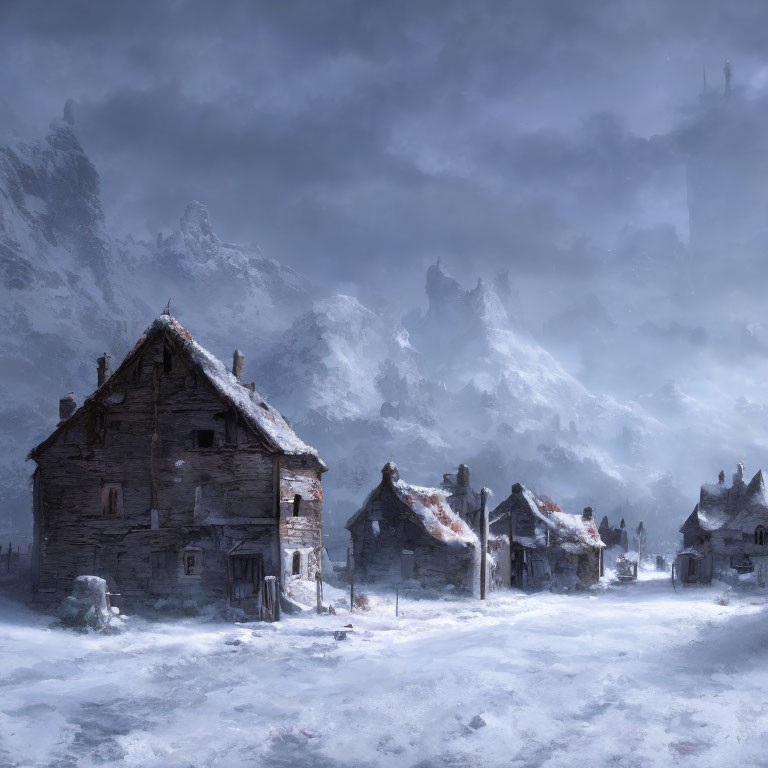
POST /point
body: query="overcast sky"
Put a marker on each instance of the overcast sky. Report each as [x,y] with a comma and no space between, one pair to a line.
[352,139]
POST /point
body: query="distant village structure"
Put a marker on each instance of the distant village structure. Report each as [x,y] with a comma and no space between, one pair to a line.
[640,542]
[548,548]
[175,479]
[406,533]
[614,537]
[727,532]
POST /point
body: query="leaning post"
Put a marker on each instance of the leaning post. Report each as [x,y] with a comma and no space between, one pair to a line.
[483,541]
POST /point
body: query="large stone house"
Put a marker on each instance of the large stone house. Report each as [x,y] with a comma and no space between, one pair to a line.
[175,479]
[727,532]
[548,548]
[410,534]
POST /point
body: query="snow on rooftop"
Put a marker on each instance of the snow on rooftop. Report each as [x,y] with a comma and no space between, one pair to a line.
[249,402]
[567,526]
[432,507]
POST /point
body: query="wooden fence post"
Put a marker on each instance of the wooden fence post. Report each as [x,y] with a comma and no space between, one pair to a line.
[397,602]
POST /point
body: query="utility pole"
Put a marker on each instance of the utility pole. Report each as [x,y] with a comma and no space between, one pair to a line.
[483,541]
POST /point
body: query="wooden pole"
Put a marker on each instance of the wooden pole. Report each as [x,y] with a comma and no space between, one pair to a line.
[483,541]
[319,583]
[351,594]
[397,602]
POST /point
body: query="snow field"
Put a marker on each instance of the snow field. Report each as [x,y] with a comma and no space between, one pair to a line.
[632,675]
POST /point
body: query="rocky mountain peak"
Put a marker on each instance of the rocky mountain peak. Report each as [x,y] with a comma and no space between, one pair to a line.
[196,222]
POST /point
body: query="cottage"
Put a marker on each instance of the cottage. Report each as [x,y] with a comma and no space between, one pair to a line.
[548,547]
[175,479]
[727,532]
[407,533]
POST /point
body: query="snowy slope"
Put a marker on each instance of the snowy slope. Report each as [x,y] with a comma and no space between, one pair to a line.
[636,675]
[233,294]
[460,385]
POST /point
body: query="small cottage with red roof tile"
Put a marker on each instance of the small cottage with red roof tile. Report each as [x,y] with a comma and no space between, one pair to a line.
[410,534]
[548,548]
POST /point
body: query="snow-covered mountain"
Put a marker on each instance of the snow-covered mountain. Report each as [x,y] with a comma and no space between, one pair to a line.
[234,293]
[69,292]
[461,381]
[458,384]
[57,305]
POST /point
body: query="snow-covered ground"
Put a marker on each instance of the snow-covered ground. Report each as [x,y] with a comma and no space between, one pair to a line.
[631,675]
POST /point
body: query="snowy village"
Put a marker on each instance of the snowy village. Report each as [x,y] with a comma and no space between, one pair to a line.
[383,385]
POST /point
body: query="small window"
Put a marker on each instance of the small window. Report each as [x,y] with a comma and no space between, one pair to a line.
[112,500]
[167,360]
[192,561]
[296,565]
[204,438]
[296,504]
[375,527]
[760,536]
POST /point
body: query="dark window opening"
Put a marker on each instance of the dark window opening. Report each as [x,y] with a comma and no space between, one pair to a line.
[112,501]
[189,564]
[167,360]
[760,535]
[204,438]
[296,505]
[691,566]
[296,565]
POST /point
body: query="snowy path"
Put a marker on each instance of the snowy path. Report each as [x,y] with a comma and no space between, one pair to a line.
[633,676]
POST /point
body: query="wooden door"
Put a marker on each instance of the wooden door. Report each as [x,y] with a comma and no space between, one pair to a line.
[407,564]
[246,575]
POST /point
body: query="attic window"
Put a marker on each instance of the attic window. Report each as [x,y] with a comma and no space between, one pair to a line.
[760,535]
[204,438]
[112,500]
[296,504]
[167,360]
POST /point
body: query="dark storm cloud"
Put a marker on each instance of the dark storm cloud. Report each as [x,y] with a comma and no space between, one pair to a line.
[352,138]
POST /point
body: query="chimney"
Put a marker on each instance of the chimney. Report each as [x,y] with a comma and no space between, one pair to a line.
[462,477]
[587,513]
[238,361]
[104,368]
[389,472]
[67,406]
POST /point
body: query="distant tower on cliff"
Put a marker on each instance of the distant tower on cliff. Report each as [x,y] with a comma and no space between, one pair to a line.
[725,150]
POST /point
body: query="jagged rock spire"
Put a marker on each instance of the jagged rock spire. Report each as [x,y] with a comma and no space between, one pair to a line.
[69,112]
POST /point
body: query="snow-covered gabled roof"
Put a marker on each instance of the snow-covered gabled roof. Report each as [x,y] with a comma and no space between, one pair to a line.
[722,506]
[255,411]
[266,419]
[431,506]
[567,527]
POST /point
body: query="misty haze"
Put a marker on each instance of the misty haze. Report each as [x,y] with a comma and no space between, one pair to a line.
[383,384]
